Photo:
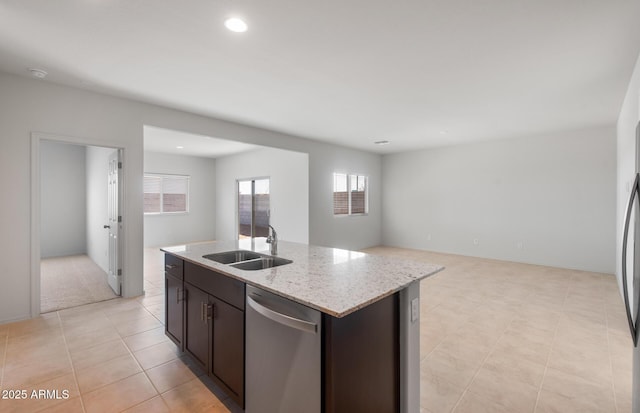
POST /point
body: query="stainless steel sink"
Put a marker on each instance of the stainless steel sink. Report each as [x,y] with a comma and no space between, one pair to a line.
[230,257]
[262,263]
[247,260]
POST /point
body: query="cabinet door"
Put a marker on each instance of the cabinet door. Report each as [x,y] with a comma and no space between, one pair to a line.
[174,312]
[228,348]
[198,325]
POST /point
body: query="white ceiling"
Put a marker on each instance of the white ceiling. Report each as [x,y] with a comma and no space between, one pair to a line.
[418,73]
[182,143]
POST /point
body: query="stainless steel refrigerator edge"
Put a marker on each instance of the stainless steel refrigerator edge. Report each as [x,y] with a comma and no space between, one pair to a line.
[631,279]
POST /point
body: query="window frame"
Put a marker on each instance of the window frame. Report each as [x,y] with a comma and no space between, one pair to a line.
[164,177]
[350,212]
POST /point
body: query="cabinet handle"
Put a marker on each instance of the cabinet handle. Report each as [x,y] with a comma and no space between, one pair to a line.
[177,295]
[169,266]
[201,311]
[208,316]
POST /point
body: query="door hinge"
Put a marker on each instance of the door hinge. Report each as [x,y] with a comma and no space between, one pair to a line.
[119,272]
[119,165]
[119,218]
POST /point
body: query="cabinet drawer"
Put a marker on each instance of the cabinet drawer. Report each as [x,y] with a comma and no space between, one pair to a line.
[216,284]
[173,265]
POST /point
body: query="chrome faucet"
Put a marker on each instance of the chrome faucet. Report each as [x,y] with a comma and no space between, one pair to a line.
[273,240]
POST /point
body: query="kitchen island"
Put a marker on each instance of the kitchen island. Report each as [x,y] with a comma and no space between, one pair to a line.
[369,330]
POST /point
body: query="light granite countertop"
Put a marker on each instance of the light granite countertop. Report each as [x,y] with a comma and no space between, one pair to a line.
[334,281]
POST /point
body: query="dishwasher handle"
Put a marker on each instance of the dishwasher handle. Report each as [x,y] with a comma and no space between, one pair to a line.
[302,325]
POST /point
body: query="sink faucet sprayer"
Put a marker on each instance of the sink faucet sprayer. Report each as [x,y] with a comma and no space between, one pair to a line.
[273,240]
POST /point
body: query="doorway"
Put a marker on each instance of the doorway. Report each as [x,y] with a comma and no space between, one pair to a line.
[72,205]
[253,208]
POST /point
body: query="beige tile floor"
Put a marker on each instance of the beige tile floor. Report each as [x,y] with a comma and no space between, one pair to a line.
[506,337]
[110,356]
[495,337]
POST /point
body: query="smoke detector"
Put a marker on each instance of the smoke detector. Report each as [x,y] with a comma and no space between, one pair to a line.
[39,73]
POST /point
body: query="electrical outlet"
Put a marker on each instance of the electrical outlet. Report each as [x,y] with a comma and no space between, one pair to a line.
[520,245]
[415,309]
[428,237]
[476,241]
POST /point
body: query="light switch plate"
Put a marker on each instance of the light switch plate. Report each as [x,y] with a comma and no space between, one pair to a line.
[415,309]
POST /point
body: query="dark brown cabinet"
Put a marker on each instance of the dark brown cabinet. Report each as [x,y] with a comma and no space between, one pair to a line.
[362,360]
[197,325]
[228,346]
[174,299]
[174,311]
[214,326]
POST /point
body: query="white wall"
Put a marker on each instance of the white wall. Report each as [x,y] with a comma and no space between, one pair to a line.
[31,105]
[289,191]
[62,200]
[199,223]
[97,214]
[555,194]
[355,232]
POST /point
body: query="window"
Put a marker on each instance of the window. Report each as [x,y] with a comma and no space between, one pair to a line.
[166,194]
[350,195]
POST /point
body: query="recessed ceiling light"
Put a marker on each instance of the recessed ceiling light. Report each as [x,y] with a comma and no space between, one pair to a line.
[381,142]
[39,73]
[179,147]
[236,25]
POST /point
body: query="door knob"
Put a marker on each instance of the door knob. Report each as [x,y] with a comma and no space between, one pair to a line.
[106,226]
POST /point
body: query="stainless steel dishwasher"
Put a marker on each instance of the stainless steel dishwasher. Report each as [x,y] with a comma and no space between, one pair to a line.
[283,355]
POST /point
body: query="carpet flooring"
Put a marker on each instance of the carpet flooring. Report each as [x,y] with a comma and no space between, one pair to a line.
[71,281]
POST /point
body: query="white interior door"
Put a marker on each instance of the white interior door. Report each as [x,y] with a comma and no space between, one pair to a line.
[115,221]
